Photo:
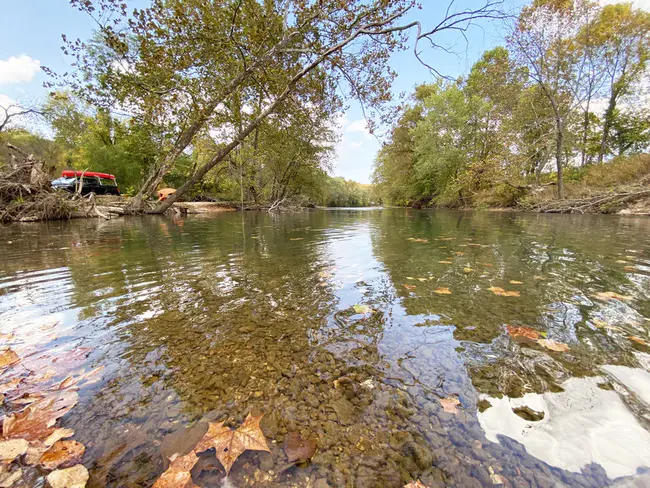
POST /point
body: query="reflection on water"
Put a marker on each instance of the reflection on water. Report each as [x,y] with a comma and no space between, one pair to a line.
[214,317]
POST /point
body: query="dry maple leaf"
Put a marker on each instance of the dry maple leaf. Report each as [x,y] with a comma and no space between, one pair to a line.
[63,454]
[450,405]
[526,332]
[178,474]
[298,449]
[415,484]
[74,477]
[553,346]
[442,291]
[8,357]
[10,450]
[57,435]
[610,295]
[230,444]
[36,421]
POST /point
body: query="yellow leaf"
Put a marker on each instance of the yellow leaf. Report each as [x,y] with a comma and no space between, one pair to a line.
[638,340]
[442,291]
[414,239]
[74,477]
[296,238]
[610,295]
[445,262]
[409,287]
[515,282]
[10,450]
[8,357]
[503,293]
[468,270]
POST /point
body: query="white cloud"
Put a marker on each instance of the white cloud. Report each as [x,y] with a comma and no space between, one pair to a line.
[358,126]
[18,69]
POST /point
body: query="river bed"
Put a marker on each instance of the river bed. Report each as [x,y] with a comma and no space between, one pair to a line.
[457,348]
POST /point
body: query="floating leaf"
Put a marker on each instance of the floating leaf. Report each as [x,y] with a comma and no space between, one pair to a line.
[296,238]
[630,268]
[459,253]
[8,357]
[74,477]
[503,293]
[178,474]
[363,309]
[409,287]
[450,405]
[422,279]
[410,278]
[515,282]
[446,262]
[468,270]
[230,444]
[638,340]
[298,449]
[415,484]
[610,295]
[63,454]
[525,332]
[621,261]
[10,450]
[552,345]
[414,239]
[442,291]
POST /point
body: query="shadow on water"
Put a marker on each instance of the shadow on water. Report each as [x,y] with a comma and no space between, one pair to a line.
[210,318]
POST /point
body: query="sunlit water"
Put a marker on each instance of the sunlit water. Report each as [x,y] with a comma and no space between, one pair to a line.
[214,317]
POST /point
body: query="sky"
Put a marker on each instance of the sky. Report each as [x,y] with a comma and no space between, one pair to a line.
[30,37]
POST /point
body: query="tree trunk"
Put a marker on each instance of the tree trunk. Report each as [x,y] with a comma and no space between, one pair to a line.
[559,156]
[585,132]
[607,124]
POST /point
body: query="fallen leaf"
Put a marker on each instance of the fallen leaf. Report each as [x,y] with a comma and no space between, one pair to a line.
[526,332]
[539,277]
[422,279]
[410,278]
[74,477]
[57,435]
[6,337]
[503,293]
[10,385]
[515,282]
[8,478]
[415,484]
[363,309]
[468,270]
[630,268]
[638,340]
[178,474]
[63,454]
[552,345]
[409,287]
[446,262]
[610,295]
[459,253]
[450,405]
[621,261]
[296,238]
[36,421]
[230,444]
[10,450]
[8,357]
[413,239]
[298,449]
[91,376]
[442,291]
[496,479]
[445,239]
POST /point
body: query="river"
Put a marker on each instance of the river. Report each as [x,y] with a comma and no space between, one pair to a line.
[459,348]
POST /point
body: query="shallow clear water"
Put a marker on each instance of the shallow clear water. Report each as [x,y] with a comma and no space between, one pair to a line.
[214,317]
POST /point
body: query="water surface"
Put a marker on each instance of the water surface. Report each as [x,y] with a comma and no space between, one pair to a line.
[215,317]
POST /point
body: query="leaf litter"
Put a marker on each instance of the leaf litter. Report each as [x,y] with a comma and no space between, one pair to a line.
[500,292]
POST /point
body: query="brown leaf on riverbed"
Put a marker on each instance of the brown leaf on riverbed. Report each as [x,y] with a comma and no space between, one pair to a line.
[515,282]
[414,239]
[298,449]
[178,474]
[74,477]
[57,435]
[610,295]
[503,293]
[10,450]
[10,385]
[37,420]
[415,484]
[63,454]
[446,262]
[638,340]
[230,444]
[553,346]
[442,291]
[525,332]
[450,405]
[8,358]
[409,287]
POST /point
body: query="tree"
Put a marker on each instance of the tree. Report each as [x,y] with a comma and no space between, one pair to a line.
[630,131]
[179,64]
[543,40]
[623,34]
[10,112]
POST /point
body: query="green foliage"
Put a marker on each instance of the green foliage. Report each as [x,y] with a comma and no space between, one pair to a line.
[346,193]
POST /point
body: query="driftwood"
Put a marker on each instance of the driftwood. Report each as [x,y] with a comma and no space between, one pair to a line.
[602,203]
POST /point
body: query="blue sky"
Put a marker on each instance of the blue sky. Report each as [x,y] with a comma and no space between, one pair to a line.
[30,37]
